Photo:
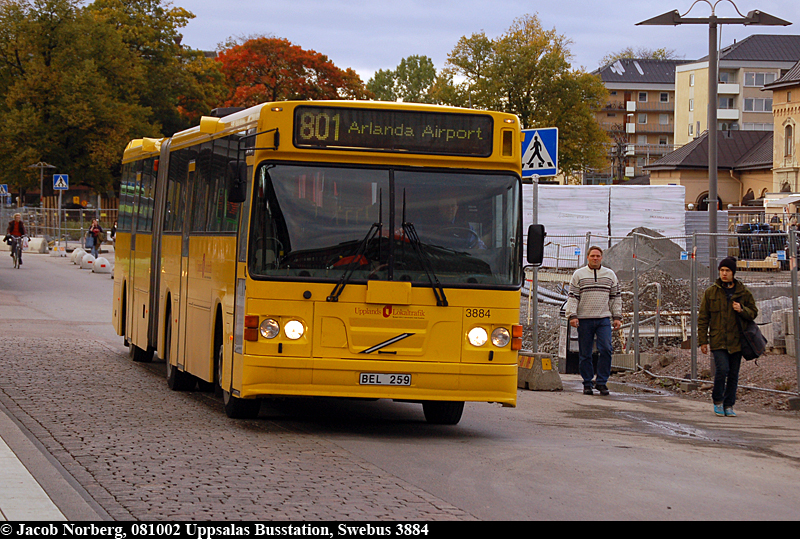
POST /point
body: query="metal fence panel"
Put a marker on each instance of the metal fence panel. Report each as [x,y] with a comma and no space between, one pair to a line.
[662,280]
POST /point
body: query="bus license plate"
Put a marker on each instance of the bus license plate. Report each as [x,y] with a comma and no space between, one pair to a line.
[376,379]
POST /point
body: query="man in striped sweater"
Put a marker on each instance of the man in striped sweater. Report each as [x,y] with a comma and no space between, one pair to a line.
[594,306]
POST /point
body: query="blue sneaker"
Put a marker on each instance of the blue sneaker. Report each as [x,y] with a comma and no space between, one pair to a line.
[719,411]
[729,412]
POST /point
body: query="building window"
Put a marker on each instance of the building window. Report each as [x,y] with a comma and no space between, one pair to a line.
[691,130]
[663,119]
[642,97]
[788,141]
[757,104]
[691,105]
[642,118]
[726,103]
[641,139]
[664,97]
[788,97]
[691,79]
[724,77]
[758,80]
[662,141]
[752,126]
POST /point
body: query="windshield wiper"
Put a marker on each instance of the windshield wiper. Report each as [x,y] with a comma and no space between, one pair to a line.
[413,238]
[374,230]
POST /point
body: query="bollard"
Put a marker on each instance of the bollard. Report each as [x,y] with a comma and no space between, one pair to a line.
[101,265]
[87,261]
[77,256]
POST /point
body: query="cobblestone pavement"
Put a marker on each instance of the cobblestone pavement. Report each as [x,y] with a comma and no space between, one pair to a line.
[143,452]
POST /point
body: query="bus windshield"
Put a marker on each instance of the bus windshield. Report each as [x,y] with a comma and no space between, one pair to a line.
[319,222]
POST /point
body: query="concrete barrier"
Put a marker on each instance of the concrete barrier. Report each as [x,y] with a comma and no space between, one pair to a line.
[77,256]
[101,265]
[537,372]
[87,262]
[37,245]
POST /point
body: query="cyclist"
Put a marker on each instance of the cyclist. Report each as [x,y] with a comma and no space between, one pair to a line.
[16,228]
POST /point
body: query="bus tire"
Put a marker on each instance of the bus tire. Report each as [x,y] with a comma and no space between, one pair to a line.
[218,371]
[237,408]
[442,412]
[139,355]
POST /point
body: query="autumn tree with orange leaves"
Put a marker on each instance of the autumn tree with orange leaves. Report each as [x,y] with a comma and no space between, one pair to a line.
[272,69]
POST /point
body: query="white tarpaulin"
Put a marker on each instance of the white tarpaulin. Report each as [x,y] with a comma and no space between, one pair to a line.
[657,207]
[574,210]
[567,210]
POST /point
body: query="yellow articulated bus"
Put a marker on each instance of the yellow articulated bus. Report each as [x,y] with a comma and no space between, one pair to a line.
[340,249]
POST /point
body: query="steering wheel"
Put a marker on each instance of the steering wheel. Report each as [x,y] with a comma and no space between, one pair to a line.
[464,234]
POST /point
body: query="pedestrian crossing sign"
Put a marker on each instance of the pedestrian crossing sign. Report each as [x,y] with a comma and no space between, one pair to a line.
[60,182]
[540,152]
[4,190]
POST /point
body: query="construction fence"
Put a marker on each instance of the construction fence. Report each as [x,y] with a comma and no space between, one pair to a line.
[662,281]
[67,226]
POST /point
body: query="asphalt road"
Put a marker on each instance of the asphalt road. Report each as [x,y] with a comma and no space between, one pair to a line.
[135,450]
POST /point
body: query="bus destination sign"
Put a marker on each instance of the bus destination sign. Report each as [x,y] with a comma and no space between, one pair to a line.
[385,130]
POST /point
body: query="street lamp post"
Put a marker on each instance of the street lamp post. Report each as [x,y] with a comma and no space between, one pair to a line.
[674,18]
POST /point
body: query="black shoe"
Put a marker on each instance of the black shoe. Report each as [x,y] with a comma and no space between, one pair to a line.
[602,389]
[587,390]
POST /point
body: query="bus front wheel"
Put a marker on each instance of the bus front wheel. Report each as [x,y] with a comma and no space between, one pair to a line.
[237,408]
[442,413]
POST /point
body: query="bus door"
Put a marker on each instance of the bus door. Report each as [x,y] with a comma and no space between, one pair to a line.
[183,295]
[131,325]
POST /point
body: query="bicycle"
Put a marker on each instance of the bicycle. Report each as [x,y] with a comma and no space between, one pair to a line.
[16,250]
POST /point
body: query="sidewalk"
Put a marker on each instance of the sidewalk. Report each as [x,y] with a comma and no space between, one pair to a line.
[21,496]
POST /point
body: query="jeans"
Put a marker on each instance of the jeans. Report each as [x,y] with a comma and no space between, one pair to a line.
[588,329]
[726,377]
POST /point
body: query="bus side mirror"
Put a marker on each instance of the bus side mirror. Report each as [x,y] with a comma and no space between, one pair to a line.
[536,235]
[236,181]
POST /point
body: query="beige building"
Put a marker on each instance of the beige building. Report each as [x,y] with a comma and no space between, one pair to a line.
[745,68]
[639,116]
[744,168]
[786,113]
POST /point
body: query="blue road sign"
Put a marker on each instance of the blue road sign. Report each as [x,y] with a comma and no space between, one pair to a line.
[4,190]
[540,152]
[60,182]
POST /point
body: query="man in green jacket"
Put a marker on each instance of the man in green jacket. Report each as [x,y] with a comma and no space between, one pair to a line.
[724,305]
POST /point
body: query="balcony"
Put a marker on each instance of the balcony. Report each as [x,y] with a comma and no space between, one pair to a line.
[725,88]
[728,114]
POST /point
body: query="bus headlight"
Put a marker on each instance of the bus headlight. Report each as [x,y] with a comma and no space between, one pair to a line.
[270,328]
[500,337]
[477,336]
[294,329]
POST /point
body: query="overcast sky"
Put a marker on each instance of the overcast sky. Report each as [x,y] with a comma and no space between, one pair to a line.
[368,35]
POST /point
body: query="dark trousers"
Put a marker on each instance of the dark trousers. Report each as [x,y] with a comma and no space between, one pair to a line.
[726,377]
[588,330]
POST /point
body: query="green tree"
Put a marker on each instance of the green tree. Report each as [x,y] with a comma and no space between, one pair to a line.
[69,93]
[182,83]
[382,85]
[410,82]
[640,53]
[527,72]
